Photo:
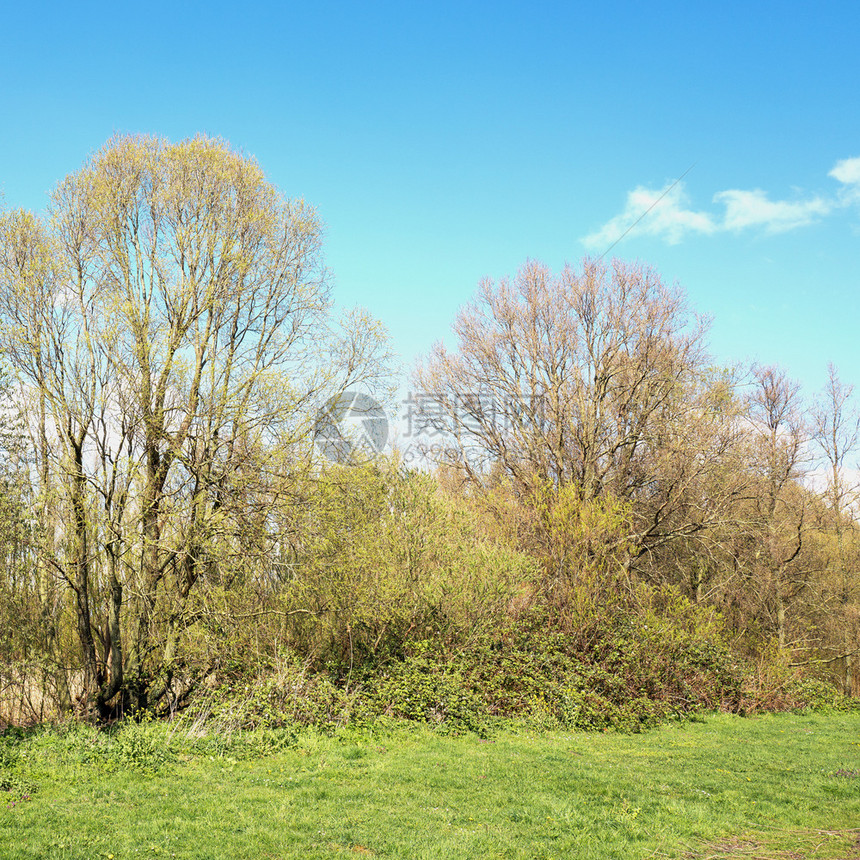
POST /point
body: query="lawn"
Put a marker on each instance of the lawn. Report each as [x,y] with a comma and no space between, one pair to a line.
[771,786]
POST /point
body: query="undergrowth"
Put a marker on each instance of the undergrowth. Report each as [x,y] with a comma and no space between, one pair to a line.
[608,669]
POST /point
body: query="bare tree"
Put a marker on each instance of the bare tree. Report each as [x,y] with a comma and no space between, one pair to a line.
[595,379]
[780,504]
[836,431]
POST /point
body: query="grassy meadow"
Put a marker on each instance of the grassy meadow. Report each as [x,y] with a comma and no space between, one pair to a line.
[769,786]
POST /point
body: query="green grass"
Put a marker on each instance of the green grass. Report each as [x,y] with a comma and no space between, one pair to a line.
[728,787]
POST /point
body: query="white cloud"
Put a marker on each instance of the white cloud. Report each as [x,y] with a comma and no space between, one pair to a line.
[672,219]
[669,219]
[847,171]
[754,209]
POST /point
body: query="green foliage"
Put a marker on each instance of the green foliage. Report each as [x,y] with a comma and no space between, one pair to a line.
[387,558]
[625,673]
[613,664]
[425,689]
[15,788]
[137,746]
[283,695]
[815,694]
[15,784]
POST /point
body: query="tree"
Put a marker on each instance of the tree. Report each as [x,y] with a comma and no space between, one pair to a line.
[596,380]
[778,436]
[836,431]
[20,619]
[171,319]
[385,557]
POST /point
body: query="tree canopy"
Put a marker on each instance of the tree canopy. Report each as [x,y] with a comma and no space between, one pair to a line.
[170,327]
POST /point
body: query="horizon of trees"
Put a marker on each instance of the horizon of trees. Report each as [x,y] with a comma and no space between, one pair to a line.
[167,339]
[595,406]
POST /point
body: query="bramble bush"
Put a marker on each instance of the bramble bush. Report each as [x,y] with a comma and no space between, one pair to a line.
[624,664]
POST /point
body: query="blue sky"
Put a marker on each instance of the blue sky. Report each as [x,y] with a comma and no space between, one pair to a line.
[442,143]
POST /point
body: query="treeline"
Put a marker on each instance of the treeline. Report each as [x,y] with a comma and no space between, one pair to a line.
[604,427]
[616,528]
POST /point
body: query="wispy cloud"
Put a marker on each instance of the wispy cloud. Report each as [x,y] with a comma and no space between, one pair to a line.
[753,209]
[672,219]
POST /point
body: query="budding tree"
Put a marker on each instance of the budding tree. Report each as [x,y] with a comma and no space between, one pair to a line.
[594,382]
[170,322]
